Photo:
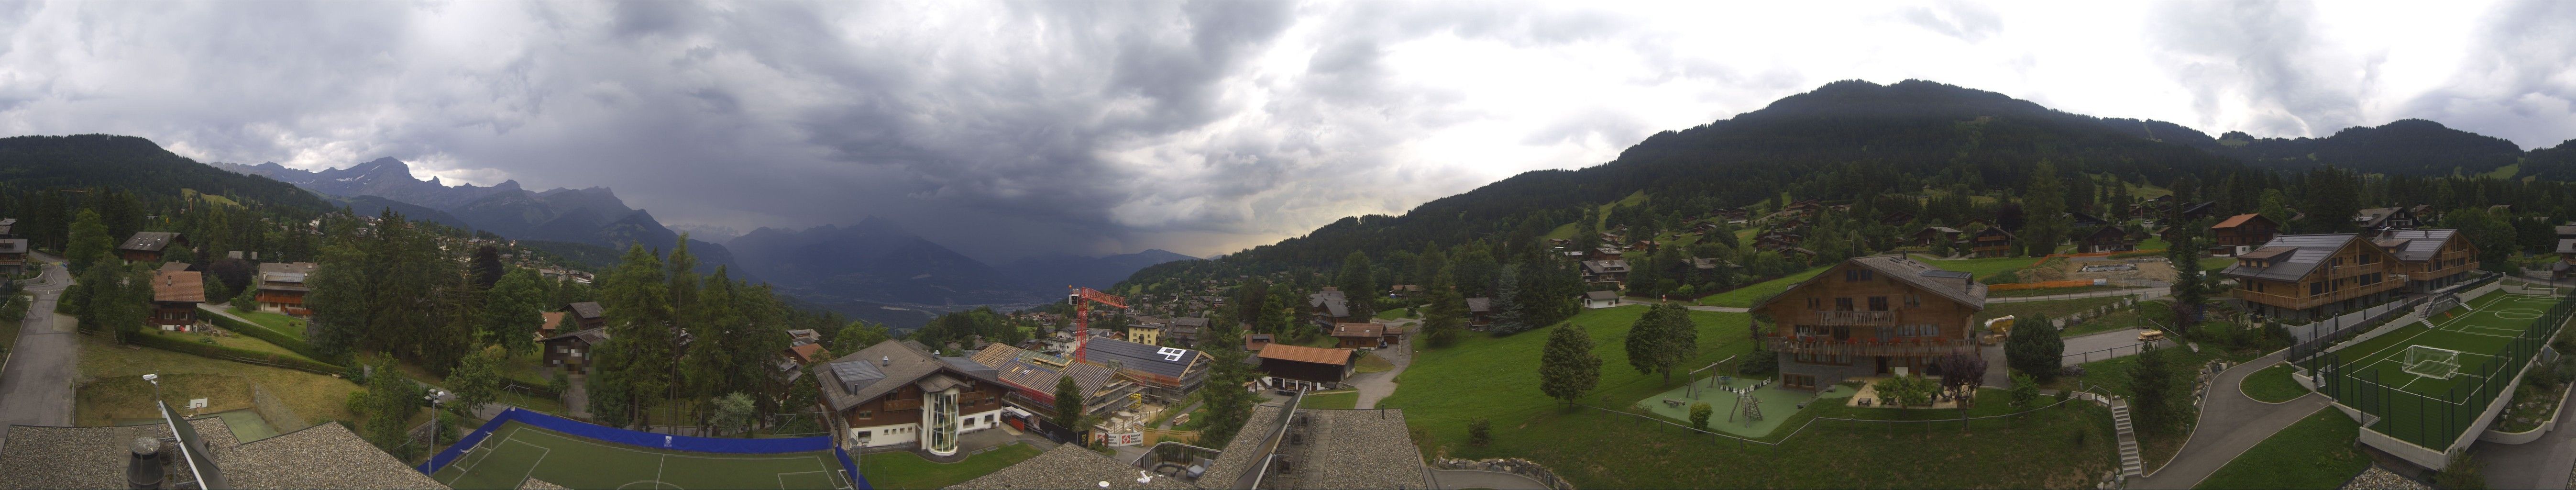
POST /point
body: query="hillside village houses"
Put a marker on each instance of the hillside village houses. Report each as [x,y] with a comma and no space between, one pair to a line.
[1301,368]
[1870,316]
[176,292]
[2243,230]
[281,288]
[13,255]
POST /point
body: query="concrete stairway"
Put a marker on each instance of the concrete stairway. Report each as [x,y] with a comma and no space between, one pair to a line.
[2130,464]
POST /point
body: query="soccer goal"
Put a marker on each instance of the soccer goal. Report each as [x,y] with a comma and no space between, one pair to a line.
[2540,290]
[2432,362]
[2440,303]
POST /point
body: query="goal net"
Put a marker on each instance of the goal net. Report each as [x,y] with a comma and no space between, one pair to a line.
[2440,303]
[2432,362]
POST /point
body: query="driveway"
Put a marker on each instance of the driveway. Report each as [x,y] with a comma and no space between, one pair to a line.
[2231,423]
[36,383]
[1377,386]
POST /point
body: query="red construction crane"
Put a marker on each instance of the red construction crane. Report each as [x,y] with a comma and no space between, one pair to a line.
[1082,299]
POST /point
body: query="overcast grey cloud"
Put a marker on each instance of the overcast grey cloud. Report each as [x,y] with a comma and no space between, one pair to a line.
[1008,129]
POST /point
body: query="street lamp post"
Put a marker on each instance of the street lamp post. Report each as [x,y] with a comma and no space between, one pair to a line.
[435,397]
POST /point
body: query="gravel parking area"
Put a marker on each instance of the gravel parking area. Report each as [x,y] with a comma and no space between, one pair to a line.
[2379,479]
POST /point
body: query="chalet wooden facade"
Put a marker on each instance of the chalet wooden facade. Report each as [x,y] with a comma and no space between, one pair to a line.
[1301,368]
[2384,219]
[1935,234]
[570,352]
[1359,335]
[281,288]
[1990,242]
[2243,230]
[2430,259]
[2304,277]
[13,255]
[584,315]
[175,296]
[2108,239]
[1870,316]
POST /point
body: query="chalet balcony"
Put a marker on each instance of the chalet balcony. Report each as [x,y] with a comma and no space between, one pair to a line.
[1869,347]
[2304,302]
[1849,318]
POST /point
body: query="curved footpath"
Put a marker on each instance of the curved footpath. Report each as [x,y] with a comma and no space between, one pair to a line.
[2230,423]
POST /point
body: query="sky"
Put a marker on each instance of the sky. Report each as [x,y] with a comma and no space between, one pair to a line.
[1012,129]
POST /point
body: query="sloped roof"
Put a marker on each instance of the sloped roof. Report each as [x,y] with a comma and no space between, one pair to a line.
[584,310]
[2567,245]
[807,352]
[1141,357]
[1480,305]
[879,369]
[552,319]
[1601,295]
[149,241]
[2565,230]
[2420,244]
[1299,353]
[179,286]
[286,267]
[2292,256]
[592,336]
[13,245]
[1946,283]
[2238,220]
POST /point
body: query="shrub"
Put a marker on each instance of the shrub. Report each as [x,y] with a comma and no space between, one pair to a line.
[1906,391]
[1480,432]
[1699,414]
[2025,391]
[2463,473]
[2544,377]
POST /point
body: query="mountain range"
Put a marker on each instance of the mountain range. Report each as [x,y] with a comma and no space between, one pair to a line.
[1852,139]
[866,269]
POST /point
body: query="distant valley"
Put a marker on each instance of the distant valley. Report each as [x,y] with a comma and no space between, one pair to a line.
[872,269]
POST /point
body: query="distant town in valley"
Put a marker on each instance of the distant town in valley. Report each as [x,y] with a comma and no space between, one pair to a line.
[961,272]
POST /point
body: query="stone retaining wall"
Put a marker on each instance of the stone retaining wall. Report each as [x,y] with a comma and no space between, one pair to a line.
[1515,466]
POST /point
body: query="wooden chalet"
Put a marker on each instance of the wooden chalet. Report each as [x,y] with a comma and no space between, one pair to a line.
[1359,335]
[1184,331]
[13,255]
[570,351]
[2383,219]
[2198,210]
[1328,307]
[175,296]
[148,246]
[1612,272]
[2108,239]
[2303,277]
[585,315]
[1480,313]
[2430,259]
[1301,368]
[1896,218]
[1990,242]
[281,288]
[1871,316]
[2083,220]
[2566,265]
[2243,230]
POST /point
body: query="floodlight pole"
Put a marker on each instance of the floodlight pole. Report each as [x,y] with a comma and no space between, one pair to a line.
[434,393]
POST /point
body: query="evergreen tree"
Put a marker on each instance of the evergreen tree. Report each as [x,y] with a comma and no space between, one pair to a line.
[2045,218]
[1508,318]
[1359,284]
[487,266]
[2190,286]
[2151,386]
[642,341]
[391,400]
[1229,404]
[1567,367]
[2333,198]
[2275,206]
[2034,348]
[1068,403]
[1446,315]
[90,243]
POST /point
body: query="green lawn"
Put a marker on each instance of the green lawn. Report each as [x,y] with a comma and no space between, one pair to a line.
[903,469]
[2157,444]
[114,389]
[8,334]
[235,340]
[1391,314]
[1339,400]
[2154,243]
[1745,297]
[1980,267]
[2053,309]
[1495,379]
[275,322]
[2214,264]
[2273,384]
[1562,232]
[2317,452]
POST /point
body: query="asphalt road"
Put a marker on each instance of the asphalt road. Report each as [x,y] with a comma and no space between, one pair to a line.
[36,383]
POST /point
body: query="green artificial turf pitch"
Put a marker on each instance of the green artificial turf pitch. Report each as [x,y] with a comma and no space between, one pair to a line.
[2480,333]
[517,452]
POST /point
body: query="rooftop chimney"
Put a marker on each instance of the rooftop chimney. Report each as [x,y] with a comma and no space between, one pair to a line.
[886,361]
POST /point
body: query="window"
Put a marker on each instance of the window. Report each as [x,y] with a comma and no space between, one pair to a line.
[2316,288]
[1886,334]
[1913,300]
[1815,303]
[1842,304]
[1878,303]
[2366,259]
[1842,332]
[1866,273]
[867,413]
